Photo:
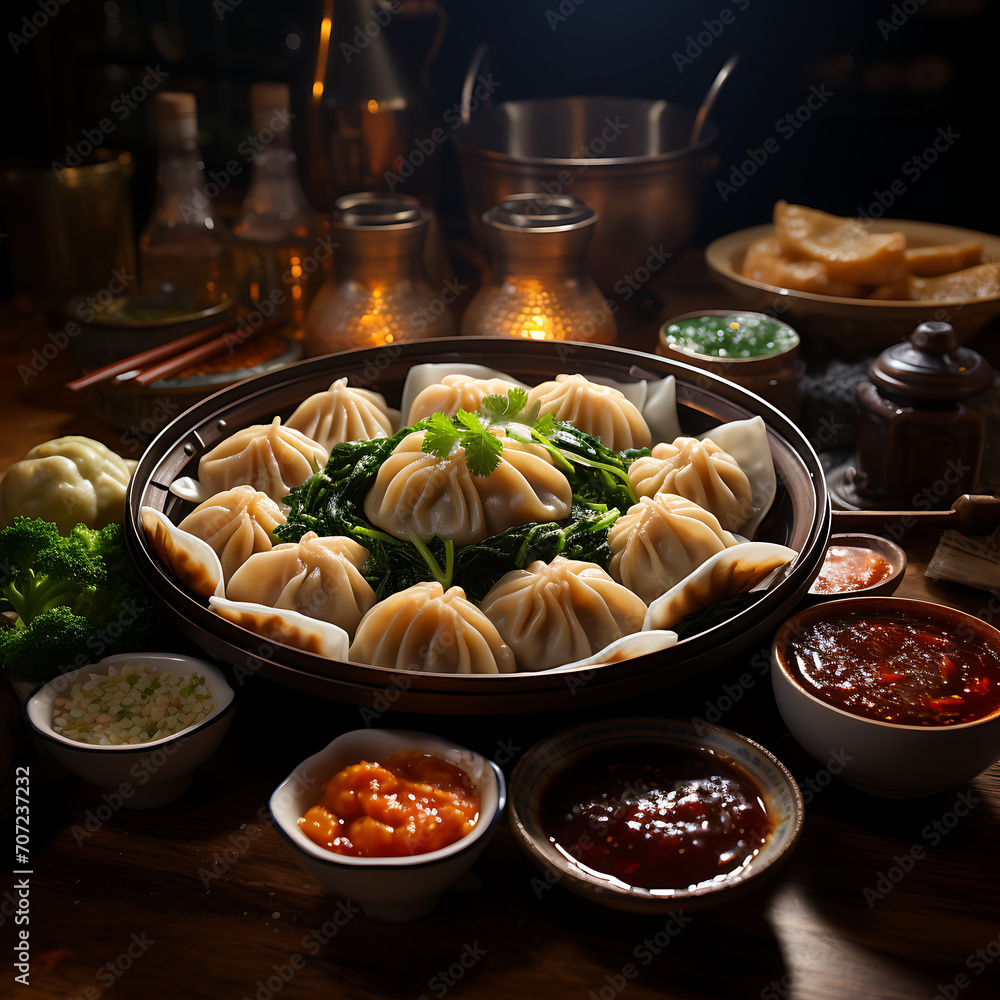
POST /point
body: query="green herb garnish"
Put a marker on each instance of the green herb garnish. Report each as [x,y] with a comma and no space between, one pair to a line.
[483,449]
[332,501]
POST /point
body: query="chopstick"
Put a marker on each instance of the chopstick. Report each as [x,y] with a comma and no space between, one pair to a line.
[200,353]
[150,355]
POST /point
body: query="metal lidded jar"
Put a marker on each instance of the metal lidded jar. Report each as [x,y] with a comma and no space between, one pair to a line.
[920,436]
[380,293]
[540,289]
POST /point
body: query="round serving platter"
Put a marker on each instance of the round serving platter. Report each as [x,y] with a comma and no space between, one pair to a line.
[799,517]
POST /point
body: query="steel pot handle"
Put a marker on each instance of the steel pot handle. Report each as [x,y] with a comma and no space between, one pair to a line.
[480,61]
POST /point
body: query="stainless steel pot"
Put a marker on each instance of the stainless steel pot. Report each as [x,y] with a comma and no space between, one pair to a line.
[627,159]
[799,517]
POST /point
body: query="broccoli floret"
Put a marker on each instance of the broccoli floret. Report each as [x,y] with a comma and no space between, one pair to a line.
[42,569]
[55,637]
[76,598]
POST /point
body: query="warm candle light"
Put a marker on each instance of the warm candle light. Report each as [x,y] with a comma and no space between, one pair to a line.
[540,289]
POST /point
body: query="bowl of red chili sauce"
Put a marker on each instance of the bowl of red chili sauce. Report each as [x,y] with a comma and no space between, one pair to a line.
[652,815]
[906,692]
[865,565]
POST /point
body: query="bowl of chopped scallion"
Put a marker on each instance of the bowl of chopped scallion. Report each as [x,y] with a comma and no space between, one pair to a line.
[138,724]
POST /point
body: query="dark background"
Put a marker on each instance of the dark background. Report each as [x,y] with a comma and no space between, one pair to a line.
[893,85]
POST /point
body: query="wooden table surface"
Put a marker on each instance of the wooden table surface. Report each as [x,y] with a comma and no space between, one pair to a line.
[202,899]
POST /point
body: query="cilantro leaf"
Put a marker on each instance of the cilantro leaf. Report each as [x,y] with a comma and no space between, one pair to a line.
[440,436]
[482,451]
[500,409]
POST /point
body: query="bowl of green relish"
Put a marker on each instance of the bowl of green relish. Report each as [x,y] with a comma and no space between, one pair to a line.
[752,349]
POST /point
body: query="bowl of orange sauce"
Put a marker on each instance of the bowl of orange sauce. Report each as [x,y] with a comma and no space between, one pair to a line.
[389,818]
[858,565]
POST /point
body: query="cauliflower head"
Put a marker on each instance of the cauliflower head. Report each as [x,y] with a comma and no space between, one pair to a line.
[70,480]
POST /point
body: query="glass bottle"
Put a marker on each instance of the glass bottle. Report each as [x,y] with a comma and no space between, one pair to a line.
[381,293]
[280,249]
[184,252]
[540,289]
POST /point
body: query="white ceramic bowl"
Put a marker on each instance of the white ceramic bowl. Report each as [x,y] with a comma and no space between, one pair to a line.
[536,769]
[862,326]
[393,889]
[143,775]
[884,758]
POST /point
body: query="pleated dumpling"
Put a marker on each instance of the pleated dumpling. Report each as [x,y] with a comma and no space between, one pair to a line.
[236,523]
[319,577]
[732,571]
[290,628]
[416,493]
[558,612]
[596,409]
[429,629]
[700,471]
[269,457]
[454,393]
[661,540]
[342,413]
[190,559]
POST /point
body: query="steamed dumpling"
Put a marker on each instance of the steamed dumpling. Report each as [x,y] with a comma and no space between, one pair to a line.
[319,577]
[290,628]
[420,494]
[236,523]
[269,457]
[596,409]
[456,392]
[342,413]
[429,629]
[661,540]
[732,571]
[191,560]
[700,471]
[558,612]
